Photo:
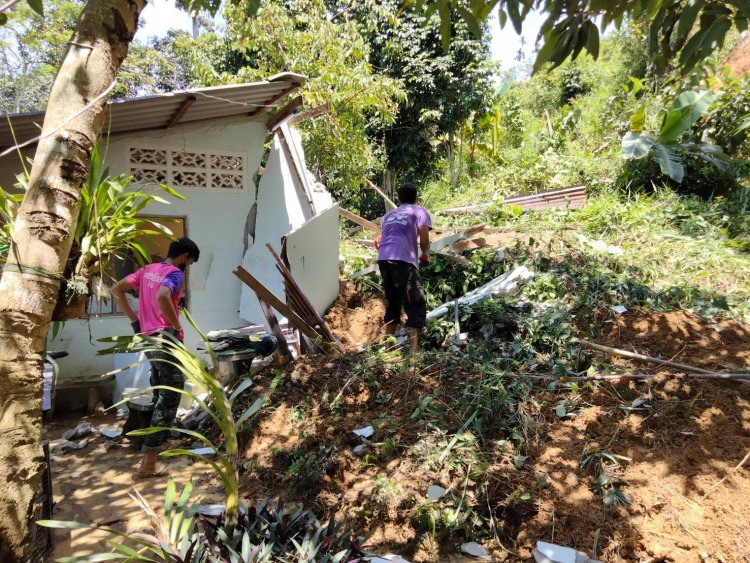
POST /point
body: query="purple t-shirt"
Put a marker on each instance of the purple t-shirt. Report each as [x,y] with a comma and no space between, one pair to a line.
[400,231]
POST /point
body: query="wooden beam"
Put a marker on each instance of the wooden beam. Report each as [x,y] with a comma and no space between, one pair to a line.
[354,218]
[181,111]
[298,171]
[265,294]
[310,114]
[268,105]
[273,322]
[388,202]
[283,113]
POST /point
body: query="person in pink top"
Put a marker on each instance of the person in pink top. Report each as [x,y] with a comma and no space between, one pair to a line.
[159,287]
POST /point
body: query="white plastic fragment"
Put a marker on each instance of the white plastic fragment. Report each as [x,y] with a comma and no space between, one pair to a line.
[203,451]
[601,246]
[110,432]
[80,431]
[435,492]
[365,432]
[552,553]
[619,309]
[390,558]
[507,284]
[475,550]
[359,451]
[212,509]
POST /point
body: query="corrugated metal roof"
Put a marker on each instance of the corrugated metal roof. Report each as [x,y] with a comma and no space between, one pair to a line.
[160,110]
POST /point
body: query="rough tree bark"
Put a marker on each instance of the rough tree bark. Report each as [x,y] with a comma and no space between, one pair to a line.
[31,279]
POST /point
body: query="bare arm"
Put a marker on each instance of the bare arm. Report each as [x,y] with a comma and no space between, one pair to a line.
[118,292]
[424,242]
[164,298]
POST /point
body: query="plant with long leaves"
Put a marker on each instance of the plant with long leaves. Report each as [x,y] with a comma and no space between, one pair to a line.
[669,146]
[690,30]
[172,538]
[217,404]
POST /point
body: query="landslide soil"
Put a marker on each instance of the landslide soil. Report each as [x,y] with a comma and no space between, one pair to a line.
[691,436]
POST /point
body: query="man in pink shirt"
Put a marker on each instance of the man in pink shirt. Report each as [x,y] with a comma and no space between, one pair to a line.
[159,287]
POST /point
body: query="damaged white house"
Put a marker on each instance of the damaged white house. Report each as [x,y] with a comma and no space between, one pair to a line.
[208,144]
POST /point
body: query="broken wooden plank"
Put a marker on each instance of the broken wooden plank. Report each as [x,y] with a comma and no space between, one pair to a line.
[283,113]
[264,293]
[303,302]
[354,218]
[181,111]
[388,202]
[575,197]
[455,258]
[273,322]
[310,114]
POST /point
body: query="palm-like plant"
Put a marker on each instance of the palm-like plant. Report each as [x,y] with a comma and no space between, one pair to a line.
[218,405]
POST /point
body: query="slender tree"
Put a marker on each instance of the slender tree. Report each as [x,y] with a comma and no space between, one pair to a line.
[42,238]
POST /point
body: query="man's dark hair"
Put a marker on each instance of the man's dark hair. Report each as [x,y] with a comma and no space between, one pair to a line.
[407,193]
[182,246]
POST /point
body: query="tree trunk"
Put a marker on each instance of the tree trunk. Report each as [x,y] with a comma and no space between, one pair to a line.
[46,219]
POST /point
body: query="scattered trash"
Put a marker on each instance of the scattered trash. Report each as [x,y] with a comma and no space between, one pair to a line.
[110,432]
[365,432]
[619,309]
[359,451]
[601,246]
[390,558]
[435,492]
[552,553]
[475,550]
[80,431]
[63,446]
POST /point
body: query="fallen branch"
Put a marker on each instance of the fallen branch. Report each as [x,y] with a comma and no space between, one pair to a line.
[694,372]
[736,467]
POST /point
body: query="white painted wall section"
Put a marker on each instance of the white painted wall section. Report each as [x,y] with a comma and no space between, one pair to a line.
[313,254]
[215,220]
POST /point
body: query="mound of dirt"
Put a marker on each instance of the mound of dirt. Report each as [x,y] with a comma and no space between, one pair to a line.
[682,337]
[356,320]
[682,438]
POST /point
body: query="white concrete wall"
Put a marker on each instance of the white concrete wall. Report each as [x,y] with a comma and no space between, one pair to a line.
[215,220]
[281,208]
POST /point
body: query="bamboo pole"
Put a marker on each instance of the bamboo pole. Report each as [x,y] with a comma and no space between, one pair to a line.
[695,372]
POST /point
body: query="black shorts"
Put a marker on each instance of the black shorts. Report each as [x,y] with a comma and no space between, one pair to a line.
[403,288]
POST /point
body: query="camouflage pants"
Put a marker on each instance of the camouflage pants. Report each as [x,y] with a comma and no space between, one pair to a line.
[164,402]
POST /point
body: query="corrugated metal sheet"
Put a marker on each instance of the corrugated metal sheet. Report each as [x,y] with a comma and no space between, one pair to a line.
[575,197]
[156,112]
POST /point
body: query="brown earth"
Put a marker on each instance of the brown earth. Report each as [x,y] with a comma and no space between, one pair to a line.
[739,57]
[693,434]
[354,321]
[301,450]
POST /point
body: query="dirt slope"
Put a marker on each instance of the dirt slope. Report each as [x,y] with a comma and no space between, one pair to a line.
[690,436]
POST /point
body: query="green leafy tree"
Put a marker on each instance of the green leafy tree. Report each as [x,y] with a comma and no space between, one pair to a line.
[298,36]
[444,87]
[690,30]
[31,48]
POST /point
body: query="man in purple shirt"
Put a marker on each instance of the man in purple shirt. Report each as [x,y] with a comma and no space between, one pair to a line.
[399,256]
